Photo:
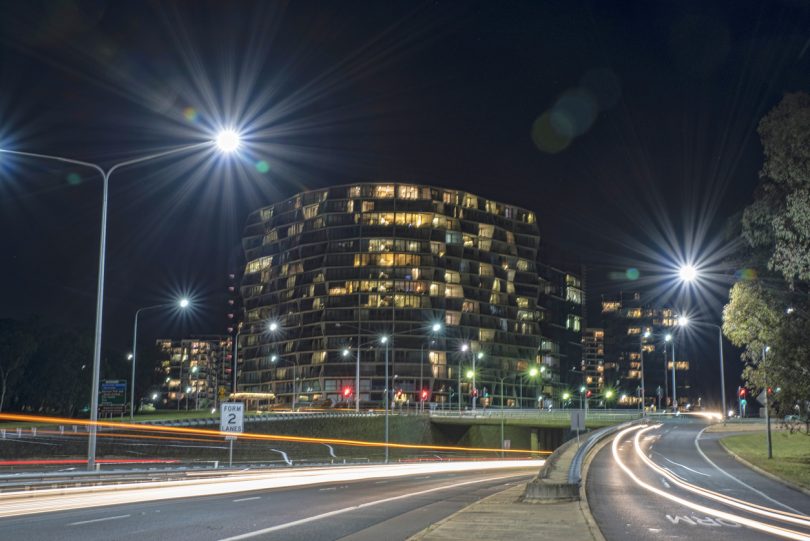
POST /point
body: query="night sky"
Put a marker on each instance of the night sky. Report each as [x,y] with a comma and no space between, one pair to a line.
[629,127]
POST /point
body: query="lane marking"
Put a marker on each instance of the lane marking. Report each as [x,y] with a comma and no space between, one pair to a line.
[248,499]
[754,524]
[314,518]
[325,489]
[743,483]
[685,467]
[105,519]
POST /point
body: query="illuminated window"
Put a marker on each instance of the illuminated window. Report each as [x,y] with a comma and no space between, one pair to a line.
[271,236]
[573,323]
[497,298]
[408,192]
[573,294]
[452,318]
[452,277]
[484,244]
[634,313]
[522,265]
[469,241]
[633,330]
[486,335]
[310,211]
[470,201]
[453,290]
[436,289]
[470,306]
[453,237]
[485,269]
[355,191]
[384,191]
[522,302]
[318,357]
[611,306]
[259,264]
[510,237]
[485,230]
[367,206]
[449,197]
[437,248]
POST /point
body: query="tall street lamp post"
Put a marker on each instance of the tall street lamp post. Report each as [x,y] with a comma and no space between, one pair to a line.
[183,304]
[226,141]
[384,340]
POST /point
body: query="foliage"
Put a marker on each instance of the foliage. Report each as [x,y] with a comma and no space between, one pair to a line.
[17,346]
[773,309]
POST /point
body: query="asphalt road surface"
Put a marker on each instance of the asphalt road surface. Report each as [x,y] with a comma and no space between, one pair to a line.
[677,483]
[373,509]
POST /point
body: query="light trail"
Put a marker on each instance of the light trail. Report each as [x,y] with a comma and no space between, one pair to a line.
[801,520]
[51,500]
[261,437]
[753,524]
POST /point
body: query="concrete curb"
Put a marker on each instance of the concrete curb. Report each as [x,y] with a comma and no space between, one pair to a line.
[542,489]
[583,500]
[761,471]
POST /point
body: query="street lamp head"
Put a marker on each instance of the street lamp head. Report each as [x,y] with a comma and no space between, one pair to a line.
[188,389]
[683,321]
[154,396]
[194,369]
[790,310]
[566,396]
[542,368]
[436,327]
[582,389]
[608,394]
[687,273]
[273,326]
[668,338]
[470,374]
[184,302]
[228,140]
[129,356]
[345,352]
[533,371]
[273,358]
[384,339]
[464,347]
[646,334]
[480,355]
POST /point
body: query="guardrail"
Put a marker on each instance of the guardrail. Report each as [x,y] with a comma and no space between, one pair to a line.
[267,418]
[556,415]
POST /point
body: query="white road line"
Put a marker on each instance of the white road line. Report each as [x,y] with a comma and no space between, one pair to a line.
[314,518]
[105,519]
[248,499]
[685,467]
[746,485]
[325,489]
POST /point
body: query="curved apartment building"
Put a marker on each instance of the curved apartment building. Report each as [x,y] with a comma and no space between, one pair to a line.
[448,277]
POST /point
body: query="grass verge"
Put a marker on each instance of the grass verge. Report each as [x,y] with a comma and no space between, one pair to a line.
[791,454]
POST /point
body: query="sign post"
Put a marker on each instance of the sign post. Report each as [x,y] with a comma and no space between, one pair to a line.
[577,422]
[231,421]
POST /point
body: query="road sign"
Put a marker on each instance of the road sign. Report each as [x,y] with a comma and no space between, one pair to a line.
[578,420]
[507,444]
[113,392]
[231,417]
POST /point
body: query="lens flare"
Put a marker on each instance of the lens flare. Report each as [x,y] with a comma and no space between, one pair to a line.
[190,113]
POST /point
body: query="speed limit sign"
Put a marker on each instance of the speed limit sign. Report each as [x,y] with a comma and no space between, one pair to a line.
[231,417]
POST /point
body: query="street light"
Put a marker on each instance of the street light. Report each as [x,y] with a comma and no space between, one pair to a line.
[384,340]
[183,303]
[226,141]
[687,273]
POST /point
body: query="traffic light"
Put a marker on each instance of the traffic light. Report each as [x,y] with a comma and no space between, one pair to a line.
[742,392]
[424,394]
[770,391]
[347,392]
[588,394]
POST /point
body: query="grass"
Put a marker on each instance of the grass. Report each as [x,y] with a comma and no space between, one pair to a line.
[791,454]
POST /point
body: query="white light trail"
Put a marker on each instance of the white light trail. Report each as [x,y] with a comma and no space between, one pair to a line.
[50,500]
[754,524]
[800,520]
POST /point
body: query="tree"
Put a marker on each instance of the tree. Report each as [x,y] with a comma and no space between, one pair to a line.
[773,309]
[17,346]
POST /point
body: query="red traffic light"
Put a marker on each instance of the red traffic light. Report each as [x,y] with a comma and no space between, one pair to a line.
[424,394]
[742,393]
[588,394]
[770,390]
[347,392]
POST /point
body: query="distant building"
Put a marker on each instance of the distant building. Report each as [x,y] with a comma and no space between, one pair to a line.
[562,298]
[632,327]
[593,359]
[336,269]
[194,371]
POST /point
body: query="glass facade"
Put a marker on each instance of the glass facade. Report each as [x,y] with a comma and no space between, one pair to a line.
[329,272]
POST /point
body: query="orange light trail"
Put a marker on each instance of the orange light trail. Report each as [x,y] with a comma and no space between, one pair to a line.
[261,437]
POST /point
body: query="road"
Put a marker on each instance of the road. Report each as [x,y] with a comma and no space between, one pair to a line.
[377,507]
[674,481]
